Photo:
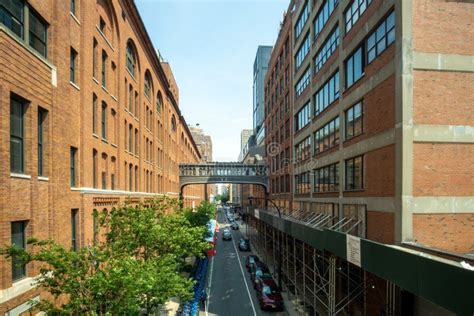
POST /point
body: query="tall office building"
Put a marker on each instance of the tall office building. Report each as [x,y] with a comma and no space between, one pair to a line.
[260,67]
[203,142]
[89,119]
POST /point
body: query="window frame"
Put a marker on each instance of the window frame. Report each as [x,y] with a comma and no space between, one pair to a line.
[322,96]
[333,172]
[74,220]
[351,174]
[23,230]
[15,103]
[72,65]
[103,121]
[320,136]
[351,60]
[347,122]
[73,166]
[103,72]
[42,114]
[385,38]
[366,4]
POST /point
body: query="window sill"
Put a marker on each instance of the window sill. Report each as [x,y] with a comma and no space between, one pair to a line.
[353,137]
[354,190]
[105,140]
[105,89]
[354,83]
[95,80]
[19,175]
[43,178]
[95,135]
[105,38]
[75,18]
[136,118]
[75,85]
[113,145]
[114,97]
[75,189]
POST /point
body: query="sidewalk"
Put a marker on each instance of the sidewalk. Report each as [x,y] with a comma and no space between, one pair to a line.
[293,307]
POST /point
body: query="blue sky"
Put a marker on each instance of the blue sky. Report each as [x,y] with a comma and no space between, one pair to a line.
[211,46]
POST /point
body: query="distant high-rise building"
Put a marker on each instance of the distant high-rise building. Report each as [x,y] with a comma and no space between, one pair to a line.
[244,139]
[260,67]
[203,142]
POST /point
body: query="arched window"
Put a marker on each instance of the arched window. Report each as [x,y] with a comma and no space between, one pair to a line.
[173,123]
[159,103]
[148,85]
[131,60]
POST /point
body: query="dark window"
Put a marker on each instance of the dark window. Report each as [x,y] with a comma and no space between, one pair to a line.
[327,136]
[17,157]
[381,38]
[300,23]
[355,67]
[173,123]
[73,164]
[303,83]
[103,120]
[74,213]
[102,25]
[37,34]
[130,138]
[18,231]
[130,178]
[147,85]
[94,114]
[326,179]
[354,117]
[104,69]
[94,59]
[130,98]
[323,15]
[354,173]
[327,94]
[303,117]
[354,11]
[41,126]
[11,15]
[302,183]
[94,168]
[130,59]
[72,66]
[327,49]
[159,103]
[112,181]
[73,7]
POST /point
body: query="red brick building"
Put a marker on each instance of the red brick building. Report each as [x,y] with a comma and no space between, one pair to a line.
[382,150]
[89,118]
[279,101]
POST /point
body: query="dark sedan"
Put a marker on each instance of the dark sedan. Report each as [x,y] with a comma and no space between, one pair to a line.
[257,269]
[226,235]
[234,226]
[269,296]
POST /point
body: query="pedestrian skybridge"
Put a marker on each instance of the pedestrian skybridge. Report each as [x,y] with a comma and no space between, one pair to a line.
[223,172]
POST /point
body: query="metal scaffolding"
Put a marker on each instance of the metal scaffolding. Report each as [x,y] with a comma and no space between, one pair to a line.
[320,282]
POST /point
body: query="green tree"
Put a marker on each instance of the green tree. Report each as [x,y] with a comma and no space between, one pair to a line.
[202,214]
[134,267]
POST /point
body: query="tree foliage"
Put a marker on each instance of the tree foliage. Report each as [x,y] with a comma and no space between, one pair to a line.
[134,266]
[203,213]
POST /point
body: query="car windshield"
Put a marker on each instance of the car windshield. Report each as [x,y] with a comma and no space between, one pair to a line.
[251,260]
[269,290]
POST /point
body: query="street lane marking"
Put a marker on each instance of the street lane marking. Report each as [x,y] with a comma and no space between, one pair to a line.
[245,280]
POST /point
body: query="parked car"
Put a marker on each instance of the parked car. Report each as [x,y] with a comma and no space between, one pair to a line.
[244,245]
[260,276]
[258,268]
[250,261]
[269,296]
[226,235]
[234,225]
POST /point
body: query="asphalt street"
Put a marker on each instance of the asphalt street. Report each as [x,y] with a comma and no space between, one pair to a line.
[230,288]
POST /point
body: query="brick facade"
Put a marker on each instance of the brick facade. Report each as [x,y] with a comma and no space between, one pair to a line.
[99,32]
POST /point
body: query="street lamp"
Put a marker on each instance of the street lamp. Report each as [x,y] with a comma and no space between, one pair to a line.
[250,198]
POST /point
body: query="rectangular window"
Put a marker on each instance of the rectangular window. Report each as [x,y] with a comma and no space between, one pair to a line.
[72,66]
[302,183]
[104,180]
[303,117]
[11,15]
[354,173]
[94,168]
[327,136]
[354,117]
[355,67]
[112,181]
[300,23]
[326,179]
[104,69]
[354,11]
[94,114]
[73,7]
[304,82]
[381,38]
[130,177]
[94,59]
[18,237]
[327,49]
[41,126]
[103,120]
[303,149]
[323,15]
[17,154]
[73,164]
[327,94]
[37,34]
[74,214]
[130,138]
[302,52]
